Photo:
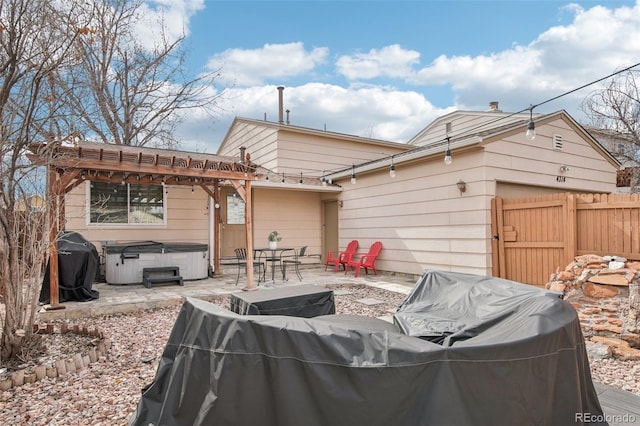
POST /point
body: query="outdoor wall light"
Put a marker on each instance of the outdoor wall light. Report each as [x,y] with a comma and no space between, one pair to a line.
[531,128]
[447,156]
[462,186]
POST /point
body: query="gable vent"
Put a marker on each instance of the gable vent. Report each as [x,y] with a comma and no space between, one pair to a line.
[557,142]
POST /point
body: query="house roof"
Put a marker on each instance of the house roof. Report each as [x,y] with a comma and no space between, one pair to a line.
[308,131]
[475,137]
[482,121]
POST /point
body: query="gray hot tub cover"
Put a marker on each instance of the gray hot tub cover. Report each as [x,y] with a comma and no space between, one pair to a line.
[464,350]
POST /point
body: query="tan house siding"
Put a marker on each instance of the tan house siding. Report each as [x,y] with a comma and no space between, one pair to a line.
[420,217]
[423,220]
[261,142]
[291,150]
[187,219]
[463,122]
[296,215]
[514,159]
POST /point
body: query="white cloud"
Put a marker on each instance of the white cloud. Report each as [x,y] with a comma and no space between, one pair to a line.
[598,42]
[248,67]
[390,61]
[366,111]
[172,16]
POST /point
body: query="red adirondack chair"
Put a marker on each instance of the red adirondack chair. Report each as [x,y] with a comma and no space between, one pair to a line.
[338,258]
[365,260]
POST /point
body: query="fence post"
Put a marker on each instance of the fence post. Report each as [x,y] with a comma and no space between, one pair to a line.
[570,243]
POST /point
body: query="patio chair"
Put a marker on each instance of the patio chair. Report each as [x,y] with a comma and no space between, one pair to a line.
[241,261]
[338,258]
[292,259]
[365,260]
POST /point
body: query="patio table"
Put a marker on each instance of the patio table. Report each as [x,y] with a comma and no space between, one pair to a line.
[269,255]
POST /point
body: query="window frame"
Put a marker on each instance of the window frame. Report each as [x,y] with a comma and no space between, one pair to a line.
[128,223]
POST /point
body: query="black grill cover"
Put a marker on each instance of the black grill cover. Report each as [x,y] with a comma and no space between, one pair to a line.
[510,354]
[78,263]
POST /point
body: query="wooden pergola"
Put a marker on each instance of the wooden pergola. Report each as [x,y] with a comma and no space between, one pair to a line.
[69,165]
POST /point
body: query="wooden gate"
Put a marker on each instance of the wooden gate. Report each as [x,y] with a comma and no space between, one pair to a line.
[534,236]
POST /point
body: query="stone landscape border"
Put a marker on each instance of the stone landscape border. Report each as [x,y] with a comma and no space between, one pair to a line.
[61,367]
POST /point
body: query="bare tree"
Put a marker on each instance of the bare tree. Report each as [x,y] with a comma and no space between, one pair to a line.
[35,38]
[127,88]
[71,68]
[614,113]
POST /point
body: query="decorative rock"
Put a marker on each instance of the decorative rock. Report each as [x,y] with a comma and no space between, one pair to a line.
[634,295]
[598,349]
[566,276]
[6,384]
[611,279]
[557,286]
[599,291]
[621,348]
[633,265]
[30,377]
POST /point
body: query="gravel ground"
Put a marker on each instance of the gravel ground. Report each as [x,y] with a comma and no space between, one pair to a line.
[108,391]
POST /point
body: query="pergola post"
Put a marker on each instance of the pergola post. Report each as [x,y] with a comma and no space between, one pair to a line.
[52,189]
[249,234]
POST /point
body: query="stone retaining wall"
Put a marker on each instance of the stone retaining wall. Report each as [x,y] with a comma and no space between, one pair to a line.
[604,291]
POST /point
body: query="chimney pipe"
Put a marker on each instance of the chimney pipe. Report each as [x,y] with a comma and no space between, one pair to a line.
[493,106]
[280,108]
[288,116]
[243,149]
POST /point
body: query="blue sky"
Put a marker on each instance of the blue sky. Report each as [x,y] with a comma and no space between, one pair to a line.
[386,69]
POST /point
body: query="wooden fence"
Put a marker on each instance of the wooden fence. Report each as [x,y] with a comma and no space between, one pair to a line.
[533,236]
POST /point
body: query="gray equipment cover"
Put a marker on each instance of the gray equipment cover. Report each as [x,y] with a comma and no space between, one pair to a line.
[465,350]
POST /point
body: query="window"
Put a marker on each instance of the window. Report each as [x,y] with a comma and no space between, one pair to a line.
[235,210]
[126,203]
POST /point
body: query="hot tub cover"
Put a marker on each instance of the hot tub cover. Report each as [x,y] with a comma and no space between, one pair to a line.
[464,350]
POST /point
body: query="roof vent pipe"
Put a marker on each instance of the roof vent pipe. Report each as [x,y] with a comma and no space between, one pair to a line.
[493,106]
[280,110]
[243,149]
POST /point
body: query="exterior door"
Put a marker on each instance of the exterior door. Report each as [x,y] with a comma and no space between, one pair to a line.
[232,222]
[330,227]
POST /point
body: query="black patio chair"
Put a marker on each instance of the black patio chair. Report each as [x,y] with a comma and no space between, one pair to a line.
[241,261]
[292,259]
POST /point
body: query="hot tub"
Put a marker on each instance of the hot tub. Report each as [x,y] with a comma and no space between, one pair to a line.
[124,262]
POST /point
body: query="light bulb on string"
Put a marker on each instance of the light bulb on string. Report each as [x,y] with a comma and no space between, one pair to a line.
[531,127]
[392,169]
[353,174]
[447,155]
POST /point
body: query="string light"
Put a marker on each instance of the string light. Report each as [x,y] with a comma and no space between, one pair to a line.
[447,155]
[392,169]
[531,127]
[353,174]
